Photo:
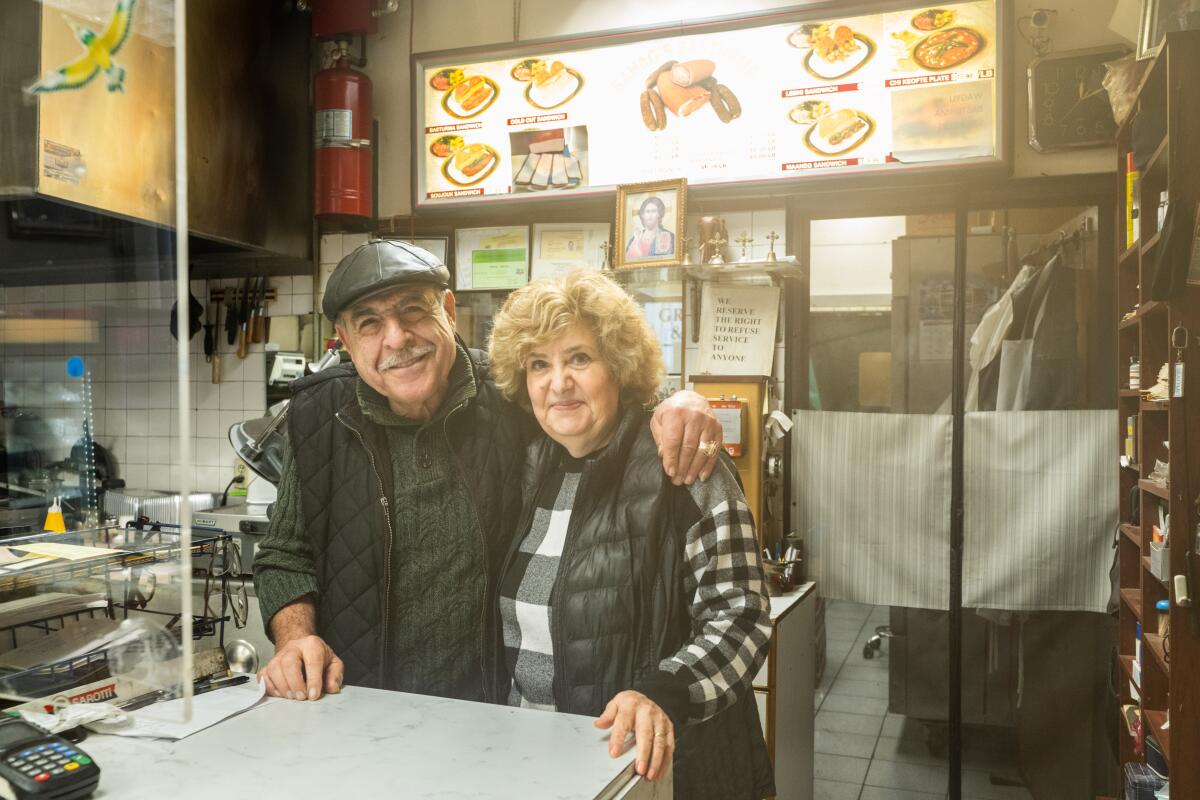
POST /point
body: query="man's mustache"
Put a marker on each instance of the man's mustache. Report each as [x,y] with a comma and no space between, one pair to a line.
[405,356]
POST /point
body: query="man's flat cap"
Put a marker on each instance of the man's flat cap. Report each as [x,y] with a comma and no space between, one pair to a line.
[377,267]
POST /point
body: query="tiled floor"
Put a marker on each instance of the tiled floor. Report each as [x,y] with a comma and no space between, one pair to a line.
[865,753]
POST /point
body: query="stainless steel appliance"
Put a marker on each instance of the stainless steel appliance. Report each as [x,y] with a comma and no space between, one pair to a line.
[246,523]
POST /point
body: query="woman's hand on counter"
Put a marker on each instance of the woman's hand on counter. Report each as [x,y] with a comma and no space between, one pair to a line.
[654,735]
[303,668]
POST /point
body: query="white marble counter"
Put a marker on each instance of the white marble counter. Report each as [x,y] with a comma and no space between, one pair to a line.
[366,743]
[784,603]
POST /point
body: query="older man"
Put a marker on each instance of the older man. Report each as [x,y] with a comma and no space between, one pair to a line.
[400,493]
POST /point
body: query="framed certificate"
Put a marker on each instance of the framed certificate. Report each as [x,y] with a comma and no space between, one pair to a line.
[559,247]
[491,259]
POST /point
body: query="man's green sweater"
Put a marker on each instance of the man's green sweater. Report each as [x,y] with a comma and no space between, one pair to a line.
[437,599]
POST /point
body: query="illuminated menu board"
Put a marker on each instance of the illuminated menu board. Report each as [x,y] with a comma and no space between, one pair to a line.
[766,101]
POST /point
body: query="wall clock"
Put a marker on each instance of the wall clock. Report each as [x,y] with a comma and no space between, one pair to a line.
[1068,106]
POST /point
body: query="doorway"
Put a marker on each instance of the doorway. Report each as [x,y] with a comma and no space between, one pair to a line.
[909,320]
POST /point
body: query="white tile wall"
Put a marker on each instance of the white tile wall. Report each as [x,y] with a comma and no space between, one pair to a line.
[351,241]
[293,295]
[333,247]
[132,369]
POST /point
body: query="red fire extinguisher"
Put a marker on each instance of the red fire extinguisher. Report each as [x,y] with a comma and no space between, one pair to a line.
[343,163]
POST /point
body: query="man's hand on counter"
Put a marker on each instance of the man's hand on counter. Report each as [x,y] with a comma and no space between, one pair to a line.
[304,666]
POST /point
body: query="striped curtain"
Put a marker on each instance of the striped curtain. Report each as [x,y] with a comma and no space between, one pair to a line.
[872,498]
[1040,503]
[872,492]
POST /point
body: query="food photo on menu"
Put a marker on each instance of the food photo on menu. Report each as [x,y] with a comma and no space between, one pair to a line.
[464,96]
[549,82]
[806,112]
[681,88]
[933,19]
[464,164]
[550,159]
[947,49]
[941,39]
[834,127]
[837,133]
[446,146]
[445,79]
[832,51]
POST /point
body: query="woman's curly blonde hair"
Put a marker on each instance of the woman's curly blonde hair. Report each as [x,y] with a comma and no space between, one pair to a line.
[537,313]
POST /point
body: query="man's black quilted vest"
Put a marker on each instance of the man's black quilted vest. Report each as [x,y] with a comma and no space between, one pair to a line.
[620,606]
[345,473]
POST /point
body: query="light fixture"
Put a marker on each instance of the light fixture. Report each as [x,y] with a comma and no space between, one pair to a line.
[1039,22]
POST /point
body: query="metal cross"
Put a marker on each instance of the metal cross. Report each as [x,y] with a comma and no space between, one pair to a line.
[717,244]
[744,240]
[771,237]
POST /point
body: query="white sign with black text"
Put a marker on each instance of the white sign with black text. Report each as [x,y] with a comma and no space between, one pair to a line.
[737,329]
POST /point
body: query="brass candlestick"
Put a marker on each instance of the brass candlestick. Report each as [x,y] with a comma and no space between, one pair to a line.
[744,240]
[686,243]
[717,243]
[771,237]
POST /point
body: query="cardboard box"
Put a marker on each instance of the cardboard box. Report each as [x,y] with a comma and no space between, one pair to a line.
[1160,560]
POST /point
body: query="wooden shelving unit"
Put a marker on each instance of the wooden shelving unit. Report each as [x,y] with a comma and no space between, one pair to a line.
[1170,666]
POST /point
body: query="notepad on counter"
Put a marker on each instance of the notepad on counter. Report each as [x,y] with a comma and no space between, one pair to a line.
[166,721]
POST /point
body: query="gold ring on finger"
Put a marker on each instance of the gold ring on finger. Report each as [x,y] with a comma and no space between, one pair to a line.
[709,448]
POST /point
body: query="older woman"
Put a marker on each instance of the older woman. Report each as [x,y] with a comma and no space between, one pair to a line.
[624,596]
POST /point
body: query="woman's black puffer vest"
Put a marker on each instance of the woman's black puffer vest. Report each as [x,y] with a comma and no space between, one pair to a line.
[620,606]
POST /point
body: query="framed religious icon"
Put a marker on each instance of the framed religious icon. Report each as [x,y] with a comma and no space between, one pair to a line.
[650,224]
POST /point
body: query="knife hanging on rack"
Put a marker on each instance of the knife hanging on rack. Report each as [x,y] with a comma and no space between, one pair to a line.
[251,310]
[260,312]
[209,336]
[216,351]
[232,324]
[244,321]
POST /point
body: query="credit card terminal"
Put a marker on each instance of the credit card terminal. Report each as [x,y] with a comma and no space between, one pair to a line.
[36,764]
